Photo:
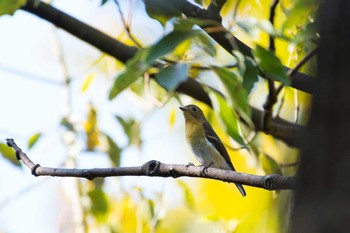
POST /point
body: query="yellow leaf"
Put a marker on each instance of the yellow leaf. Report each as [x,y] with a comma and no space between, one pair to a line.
[91,129]
[172,116]
[88,80]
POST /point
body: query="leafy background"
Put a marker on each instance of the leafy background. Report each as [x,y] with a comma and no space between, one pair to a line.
[68,105]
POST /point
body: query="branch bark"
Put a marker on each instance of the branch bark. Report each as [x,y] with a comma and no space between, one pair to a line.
[123,53]
[155,168]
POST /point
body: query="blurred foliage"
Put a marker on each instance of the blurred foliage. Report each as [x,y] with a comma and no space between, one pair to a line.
[271,65]
[91,129]
[185,51]
[33,140]
[9,154]
[270,165]
[10,6]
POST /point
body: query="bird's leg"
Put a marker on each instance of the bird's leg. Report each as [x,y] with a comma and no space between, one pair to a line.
[189,165]
[205,168]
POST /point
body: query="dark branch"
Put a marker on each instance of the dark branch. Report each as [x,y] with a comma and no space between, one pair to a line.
[272,20]
[271,99]
[214,10]
[279,128]
[123,53]
[155,168]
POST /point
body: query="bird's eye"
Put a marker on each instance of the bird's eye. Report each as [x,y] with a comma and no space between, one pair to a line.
[194,109]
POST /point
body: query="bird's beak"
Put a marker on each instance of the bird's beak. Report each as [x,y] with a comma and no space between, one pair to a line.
[183,109]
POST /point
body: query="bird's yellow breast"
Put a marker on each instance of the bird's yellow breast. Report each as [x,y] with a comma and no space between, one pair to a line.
[194,131]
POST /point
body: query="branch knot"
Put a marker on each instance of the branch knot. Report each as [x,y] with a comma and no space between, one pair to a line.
[151,167]
[33,169]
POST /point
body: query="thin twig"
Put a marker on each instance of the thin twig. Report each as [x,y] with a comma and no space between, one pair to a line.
[155,168]
[127,24]
[297,107]
[280,107]
[154,100]
[67,77]
[302,62]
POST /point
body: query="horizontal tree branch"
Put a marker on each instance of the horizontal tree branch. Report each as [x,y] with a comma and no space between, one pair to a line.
[123,53]
[155,168]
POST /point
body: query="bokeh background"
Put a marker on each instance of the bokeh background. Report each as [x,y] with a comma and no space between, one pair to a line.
[54,103]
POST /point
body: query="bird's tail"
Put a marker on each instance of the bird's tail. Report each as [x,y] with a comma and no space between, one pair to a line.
[241,189]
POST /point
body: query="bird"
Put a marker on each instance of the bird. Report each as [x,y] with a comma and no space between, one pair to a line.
[205,143]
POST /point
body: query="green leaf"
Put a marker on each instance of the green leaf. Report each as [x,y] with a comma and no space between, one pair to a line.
[271,65]
[126,124]
[189,198]
[168,44]
[228,117]
[103,2]
[132,130]
[99,203]
[33,140]
[172,76]
[10,6]
[122,82]
[113,151]
[9,154]
[67,124]
[250,76]
[161,11]
[146,58]
[151,207]
[238,96]
[270,165]
[206,44]
[301,12]
[248,70]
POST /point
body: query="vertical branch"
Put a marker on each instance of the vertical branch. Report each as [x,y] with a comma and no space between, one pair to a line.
[272,96]
[272,21]
[71,187]
[66,76]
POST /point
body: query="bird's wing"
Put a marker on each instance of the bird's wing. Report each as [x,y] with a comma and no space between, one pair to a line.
[215,140]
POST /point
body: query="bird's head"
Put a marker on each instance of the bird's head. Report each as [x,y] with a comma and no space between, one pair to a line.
[193,113]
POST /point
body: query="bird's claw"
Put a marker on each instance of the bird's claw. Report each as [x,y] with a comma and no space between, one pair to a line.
[205,168]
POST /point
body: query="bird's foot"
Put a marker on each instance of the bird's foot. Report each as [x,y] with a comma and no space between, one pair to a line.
[205,168]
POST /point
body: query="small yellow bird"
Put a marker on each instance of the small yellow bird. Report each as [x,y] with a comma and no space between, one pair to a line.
[205,143]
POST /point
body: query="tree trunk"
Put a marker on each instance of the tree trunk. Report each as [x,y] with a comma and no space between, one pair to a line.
[322,200]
